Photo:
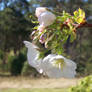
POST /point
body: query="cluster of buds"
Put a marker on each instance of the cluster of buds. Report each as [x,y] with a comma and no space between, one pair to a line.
[45,18]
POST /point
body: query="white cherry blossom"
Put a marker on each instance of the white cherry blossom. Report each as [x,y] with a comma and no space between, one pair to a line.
[46,65]
[39,10]
[45,18]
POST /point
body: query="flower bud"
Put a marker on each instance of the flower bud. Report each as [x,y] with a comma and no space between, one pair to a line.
[42,39]
[41,28]
[46,18]
[39,10]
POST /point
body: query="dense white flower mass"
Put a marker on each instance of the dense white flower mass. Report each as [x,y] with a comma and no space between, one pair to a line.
[45,17]
[47,65]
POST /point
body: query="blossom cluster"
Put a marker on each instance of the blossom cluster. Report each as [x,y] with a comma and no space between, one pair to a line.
[54,30]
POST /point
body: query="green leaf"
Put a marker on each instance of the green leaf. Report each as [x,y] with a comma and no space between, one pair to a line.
[36,27]
[34,22]
[79,20]
[79,13]
[73,36]
[79,16]
[82,13]
[75,13]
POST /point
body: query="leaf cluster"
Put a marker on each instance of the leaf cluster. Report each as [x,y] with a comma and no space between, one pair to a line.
[56,35]
[85,85]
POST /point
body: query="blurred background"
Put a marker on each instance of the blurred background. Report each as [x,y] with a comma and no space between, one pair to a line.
[16,26]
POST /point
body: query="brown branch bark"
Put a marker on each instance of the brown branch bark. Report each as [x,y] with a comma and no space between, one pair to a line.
[77,26]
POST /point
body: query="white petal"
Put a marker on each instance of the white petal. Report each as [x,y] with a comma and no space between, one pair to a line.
[46,18]
[68,70]
[41,28]
[40,10]
[32,54]
[70,63]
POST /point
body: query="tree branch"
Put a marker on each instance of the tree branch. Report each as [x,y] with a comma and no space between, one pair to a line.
[77,26]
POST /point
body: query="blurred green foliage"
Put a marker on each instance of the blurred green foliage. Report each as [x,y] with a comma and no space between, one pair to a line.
[85,85]
[1,55]
[17,64]
[27,70]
